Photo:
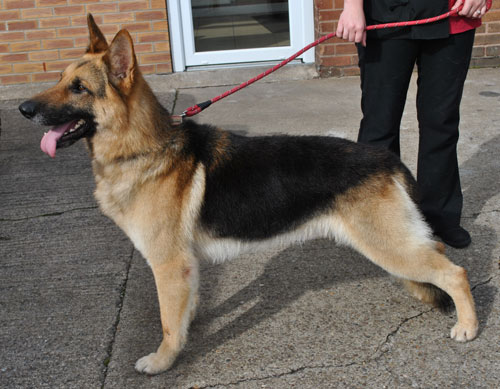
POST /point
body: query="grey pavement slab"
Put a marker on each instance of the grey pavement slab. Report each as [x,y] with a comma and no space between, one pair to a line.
[62,266]
[78,304]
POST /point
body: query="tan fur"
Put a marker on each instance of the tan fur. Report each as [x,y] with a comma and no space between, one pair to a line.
[155,196]
[375,228]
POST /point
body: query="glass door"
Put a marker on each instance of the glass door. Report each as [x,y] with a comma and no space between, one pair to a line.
[216,32]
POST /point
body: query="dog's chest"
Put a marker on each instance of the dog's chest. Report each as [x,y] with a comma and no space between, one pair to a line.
[115,195]
[115,187]
[151,209]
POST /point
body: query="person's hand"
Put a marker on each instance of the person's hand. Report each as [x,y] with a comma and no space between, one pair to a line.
[471,8]
[352,23]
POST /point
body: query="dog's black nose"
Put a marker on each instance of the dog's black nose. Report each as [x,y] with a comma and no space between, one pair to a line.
[28,108]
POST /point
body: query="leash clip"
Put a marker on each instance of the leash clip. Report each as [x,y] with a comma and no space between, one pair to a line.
[177,119]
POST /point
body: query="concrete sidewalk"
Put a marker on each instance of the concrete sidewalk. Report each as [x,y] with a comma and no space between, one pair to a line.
[78,304]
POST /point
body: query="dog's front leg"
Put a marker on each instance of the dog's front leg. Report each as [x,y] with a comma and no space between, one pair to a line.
[177,286]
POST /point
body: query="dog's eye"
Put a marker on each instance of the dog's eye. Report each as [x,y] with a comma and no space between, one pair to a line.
[78,88]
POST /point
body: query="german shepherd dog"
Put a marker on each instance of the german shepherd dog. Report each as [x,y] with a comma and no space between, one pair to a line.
[184,192]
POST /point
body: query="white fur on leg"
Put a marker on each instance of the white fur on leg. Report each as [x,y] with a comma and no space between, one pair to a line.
[464,332]
[155,363]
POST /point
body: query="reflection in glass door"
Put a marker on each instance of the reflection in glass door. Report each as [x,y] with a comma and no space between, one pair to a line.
[240,24]
[218,32]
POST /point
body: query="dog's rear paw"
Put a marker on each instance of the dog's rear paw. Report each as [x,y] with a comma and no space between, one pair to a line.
[464,332]
[153,363]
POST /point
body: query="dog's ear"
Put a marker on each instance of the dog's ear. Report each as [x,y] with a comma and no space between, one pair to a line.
[97,42]
[121,61]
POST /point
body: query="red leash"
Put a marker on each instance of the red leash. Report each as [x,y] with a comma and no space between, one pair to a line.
[195,109]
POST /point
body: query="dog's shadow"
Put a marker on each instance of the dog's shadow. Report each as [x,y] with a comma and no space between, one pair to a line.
[320,264]
[287,276]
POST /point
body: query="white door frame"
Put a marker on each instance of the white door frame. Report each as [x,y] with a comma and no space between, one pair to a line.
[180,25]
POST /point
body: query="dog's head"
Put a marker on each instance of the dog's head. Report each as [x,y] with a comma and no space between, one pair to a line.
[88,97]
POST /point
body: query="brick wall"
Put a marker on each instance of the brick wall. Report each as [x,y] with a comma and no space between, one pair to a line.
[487,43]
[335,57]
[39,38]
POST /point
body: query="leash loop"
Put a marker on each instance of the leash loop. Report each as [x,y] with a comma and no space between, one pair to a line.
[197,108]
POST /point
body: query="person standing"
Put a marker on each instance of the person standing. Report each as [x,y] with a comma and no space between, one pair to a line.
[442,52]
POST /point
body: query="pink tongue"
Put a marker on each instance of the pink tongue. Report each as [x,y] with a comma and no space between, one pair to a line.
[49,140]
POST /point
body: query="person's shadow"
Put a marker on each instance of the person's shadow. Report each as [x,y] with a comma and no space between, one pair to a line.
[480,176]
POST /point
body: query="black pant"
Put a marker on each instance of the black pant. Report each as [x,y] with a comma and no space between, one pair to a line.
[386,66]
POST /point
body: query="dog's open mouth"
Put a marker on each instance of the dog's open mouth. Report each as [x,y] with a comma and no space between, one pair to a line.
[64,135]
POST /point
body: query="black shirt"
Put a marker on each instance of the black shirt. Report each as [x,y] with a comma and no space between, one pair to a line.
[386,11]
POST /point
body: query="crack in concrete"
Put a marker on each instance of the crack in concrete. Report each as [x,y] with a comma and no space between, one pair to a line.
[51,214]
[393,333]
[176,98]
[481,283]
[279,375]
[114,328]
[373,358]
[377,354]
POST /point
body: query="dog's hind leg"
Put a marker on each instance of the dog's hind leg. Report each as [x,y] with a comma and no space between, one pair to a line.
[387,228]
[429,294]
[425,266]
[177,285]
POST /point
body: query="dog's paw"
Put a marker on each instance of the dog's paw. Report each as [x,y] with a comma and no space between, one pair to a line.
[154,363]
[464,332]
